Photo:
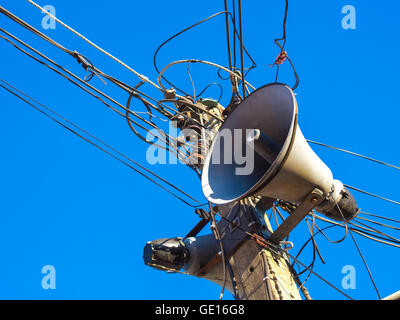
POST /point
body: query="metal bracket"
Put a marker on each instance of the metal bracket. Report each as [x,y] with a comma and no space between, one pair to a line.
[232,234]
[311,201]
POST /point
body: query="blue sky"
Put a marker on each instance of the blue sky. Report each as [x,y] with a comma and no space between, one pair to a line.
[67,204]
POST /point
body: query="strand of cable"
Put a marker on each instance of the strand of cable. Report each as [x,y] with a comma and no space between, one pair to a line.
[113,149]
[283,54]
[74,54]
[355,154]
[209,86]
[217,236]
[60,67]
[96,145]
[387,239]
[376,237]
[360,253]
[140,76]
[370,236]
[241,48]
[312,234]
[188,28]
[234,36]
[235,75]
[30,28]
[165,141]
[360,232]
[267,244]
[369,228]
[282,47]
[377,223]
[372,194]
[130,89]
[228,40]
[311,265]
[310,239]
[380,217]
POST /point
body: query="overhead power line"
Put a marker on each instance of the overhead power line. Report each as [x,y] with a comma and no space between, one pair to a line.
[141,77]
[67,125]
[372,194]
[354,154]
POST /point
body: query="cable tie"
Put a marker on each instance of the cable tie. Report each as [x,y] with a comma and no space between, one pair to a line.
[280,58]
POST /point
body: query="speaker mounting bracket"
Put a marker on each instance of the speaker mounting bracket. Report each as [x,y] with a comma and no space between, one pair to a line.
[314,198]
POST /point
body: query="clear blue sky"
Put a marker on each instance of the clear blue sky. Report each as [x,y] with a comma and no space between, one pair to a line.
[67,204]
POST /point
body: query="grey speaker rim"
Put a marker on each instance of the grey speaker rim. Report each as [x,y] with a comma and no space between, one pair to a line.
[275,166]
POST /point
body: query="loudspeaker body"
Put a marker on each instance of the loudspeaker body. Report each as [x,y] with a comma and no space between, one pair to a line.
[284,165]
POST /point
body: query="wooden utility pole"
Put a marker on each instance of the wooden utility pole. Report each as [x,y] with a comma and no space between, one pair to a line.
[259,273]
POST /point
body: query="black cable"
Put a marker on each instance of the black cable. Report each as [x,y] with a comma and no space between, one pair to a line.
[241,48]
[282,47]
[354,154]
[372,195]
[97,146]
[186,29]
[217,236]
[234,36]
[367,227]
[91,93]
[234,289]
[380,217]
[360,253]
[72,81]
[228,41]
[211,84]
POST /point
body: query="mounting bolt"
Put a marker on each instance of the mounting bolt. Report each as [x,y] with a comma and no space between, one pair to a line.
[314,199]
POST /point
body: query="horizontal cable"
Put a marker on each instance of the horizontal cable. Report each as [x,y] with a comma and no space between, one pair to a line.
[354,154]
[97,146]
[380,217]
[167,142]
[372,195]
[141,77]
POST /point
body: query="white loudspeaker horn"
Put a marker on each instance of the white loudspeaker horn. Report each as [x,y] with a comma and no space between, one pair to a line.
[283,165]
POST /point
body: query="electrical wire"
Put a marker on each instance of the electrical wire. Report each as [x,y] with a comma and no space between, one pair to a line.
[140,76]
[235,33]
[283,52]
[360,232]
[372,195]
[209,86]
[95,144]
[380,217]
[360,253]
[377,223]
[241,48]
[355,154]
[228,43]
[167,138]
[214,229]
[160,75]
